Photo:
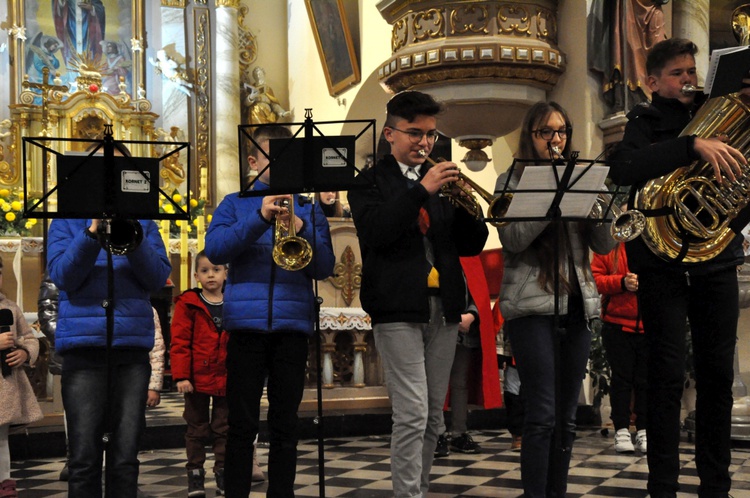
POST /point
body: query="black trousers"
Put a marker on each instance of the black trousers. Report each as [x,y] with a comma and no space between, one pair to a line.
[626,354]
[283,356]
[710,302]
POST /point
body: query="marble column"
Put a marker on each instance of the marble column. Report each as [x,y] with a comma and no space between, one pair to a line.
[690,20]
[227,107]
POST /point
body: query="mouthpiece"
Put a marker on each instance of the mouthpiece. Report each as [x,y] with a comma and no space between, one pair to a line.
[556,152]
[423,153]
[690,89]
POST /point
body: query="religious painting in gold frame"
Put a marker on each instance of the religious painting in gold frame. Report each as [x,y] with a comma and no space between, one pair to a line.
[334,41]
[104,35]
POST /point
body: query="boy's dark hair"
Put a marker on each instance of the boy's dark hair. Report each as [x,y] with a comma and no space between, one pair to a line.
[408,105]
[266,132]
[665,51]
[201,255]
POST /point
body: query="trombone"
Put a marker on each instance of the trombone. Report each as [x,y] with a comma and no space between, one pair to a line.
[463,197]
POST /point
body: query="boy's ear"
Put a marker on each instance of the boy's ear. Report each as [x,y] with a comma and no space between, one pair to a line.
[252,162]
[652,82]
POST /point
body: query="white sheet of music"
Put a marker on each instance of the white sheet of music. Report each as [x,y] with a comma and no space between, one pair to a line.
[527,204]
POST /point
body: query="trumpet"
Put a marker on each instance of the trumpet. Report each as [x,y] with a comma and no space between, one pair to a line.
[465,199]
[626,225]
[290,252]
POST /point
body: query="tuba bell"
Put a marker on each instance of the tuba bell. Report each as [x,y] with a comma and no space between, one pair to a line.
[290,252]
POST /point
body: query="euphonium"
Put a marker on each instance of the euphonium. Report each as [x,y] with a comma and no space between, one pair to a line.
[699,208]
[290,252]
[465,199]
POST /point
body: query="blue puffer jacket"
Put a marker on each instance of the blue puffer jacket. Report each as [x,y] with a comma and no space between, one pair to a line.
[78,266]
[259,294]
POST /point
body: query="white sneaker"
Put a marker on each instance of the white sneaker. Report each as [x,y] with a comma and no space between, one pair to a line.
[623,441]
[641,442]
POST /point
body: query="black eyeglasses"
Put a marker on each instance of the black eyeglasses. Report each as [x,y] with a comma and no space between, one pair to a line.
[548,133]
[415,136]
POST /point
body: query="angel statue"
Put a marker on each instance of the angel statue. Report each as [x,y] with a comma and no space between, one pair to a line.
[172,170]
[263,105]
[170,69]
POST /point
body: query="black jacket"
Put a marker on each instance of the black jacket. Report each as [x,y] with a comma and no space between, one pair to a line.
[395,269]
[650,148]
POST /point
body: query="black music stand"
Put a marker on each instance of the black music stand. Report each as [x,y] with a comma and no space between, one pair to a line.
[311,161]
[567,178]
[128,187]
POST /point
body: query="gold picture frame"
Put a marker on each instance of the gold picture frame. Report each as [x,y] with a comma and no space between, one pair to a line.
[334,42]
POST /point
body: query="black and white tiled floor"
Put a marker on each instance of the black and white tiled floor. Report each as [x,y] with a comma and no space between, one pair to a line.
[359,467]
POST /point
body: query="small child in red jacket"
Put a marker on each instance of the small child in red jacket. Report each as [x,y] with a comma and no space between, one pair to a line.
[624,346]
[198,356]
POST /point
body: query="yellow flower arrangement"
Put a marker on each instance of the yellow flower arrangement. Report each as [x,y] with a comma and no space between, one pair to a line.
[196,208]
[12,222]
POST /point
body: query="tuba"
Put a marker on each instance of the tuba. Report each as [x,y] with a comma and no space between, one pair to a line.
[290,252]
[700,209]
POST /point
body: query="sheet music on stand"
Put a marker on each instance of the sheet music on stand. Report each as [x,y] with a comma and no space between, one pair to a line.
[538,186]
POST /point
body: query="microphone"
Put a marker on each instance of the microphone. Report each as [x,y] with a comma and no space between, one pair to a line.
[6,320]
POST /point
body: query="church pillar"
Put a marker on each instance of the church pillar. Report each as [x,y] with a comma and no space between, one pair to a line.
[227,98]
[690,20]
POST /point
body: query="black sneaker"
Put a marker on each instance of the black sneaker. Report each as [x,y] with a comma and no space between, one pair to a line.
[464,444]
[219,474]
[196,486]
[441,450]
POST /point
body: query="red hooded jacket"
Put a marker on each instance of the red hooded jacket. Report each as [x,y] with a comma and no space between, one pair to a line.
[619,306]
[199,351]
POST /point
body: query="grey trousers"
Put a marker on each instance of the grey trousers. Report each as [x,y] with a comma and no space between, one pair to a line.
[417,361]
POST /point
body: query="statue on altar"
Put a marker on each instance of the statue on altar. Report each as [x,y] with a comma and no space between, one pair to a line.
[168,67]
[172,170]
[262,104]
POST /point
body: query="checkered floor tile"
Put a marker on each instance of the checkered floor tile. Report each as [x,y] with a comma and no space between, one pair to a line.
[360,467]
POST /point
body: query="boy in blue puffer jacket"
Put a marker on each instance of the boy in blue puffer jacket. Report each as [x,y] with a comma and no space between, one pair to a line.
[270,315]
[93,399]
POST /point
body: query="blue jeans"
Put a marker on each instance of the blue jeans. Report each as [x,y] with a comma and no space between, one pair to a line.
[544,463]
[85,394]
[250,356]
[709,302]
